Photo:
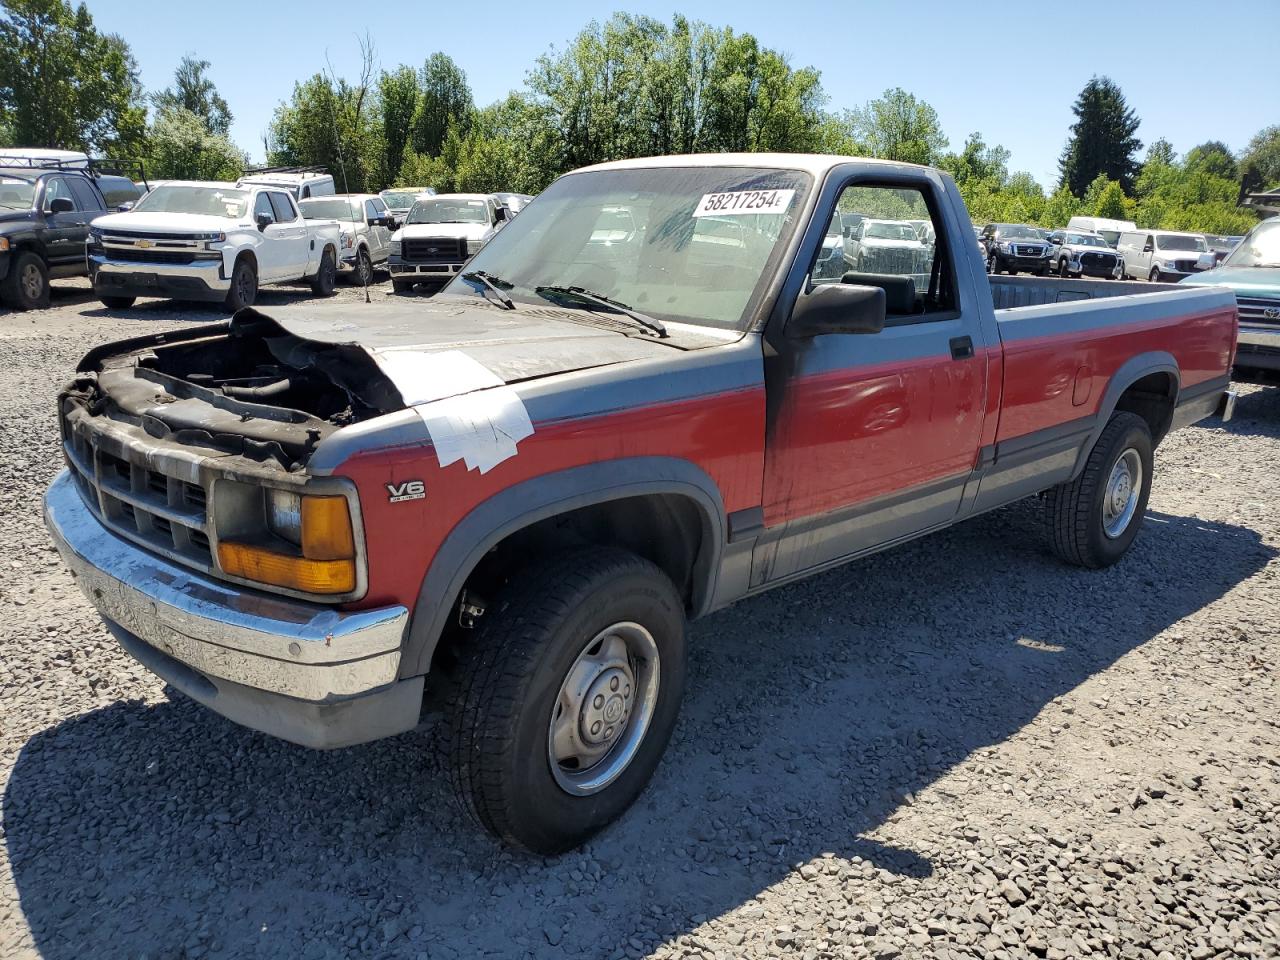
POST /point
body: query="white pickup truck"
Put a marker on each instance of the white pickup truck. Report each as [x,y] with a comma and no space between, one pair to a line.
[209,241]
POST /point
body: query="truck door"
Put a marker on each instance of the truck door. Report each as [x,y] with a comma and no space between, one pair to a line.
[379,235]
[66,230]
[289,236]
[872,437]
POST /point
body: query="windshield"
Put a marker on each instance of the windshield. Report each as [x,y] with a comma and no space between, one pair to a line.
[1085,240]
[330,208]
[1111,236]
[399,199]
[878,230]
[1261,248]
[16,193]
[1017,231]
[685,244]
[1164,242]
[448,210]
[210,201]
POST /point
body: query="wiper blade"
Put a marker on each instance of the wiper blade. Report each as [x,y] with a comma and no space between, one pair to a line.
[495,284]
[651,324]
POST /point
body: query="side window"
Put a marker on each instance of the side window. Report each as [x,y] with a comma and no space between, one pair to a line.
[897,245]
[263,206]
[55,188]
[304,193]
[283,207]
[86,196]
[380,207]
[371,210]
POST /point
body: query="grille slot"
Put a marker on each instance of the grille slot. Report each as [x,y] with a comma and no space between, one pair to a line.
[434,250]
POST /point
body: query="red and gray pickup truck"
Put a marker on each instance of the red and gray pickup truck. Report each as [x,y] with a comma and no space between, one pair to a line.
[637,404]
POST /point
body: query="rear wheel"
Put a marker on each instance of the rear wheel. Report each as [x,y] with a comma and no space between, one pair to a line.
[118,303]
[567,696]
[1094,518]
[326,277]
[244,285]
[26,287]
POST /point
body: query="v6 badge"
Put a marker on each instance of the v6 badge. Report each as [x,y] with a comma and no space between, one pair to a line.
[409,490]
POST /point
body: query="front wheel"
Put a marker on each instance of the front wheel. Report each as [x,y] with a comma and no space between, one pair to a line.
[363,274]
[118,303]
[1062,269]
[244,285]
[567,696]
[27,285]
[326,277]
[993,265]
[1155,275]
[1094,518]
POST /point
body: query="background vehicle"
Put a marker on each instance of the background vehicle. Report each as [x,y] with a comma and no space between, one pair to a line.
[440,234]
[1109,230]
[533,487]
[1252,270]
[884,246]
[199,241]
[399,200]
[1220,246]
[44,219]
[365,226]
[1013,247]
[514,202]
[1077,253]
[301,182]
[1161,256]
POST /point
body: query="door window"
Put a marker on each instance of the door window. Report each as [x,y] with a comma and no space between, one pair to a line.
[262,206]
[57,188]
[283,207]
[86,198]
[895,245]
[371,210]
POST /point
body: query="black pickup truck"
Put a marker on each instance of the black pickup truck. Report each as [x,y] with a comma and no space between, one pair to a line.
[45,210]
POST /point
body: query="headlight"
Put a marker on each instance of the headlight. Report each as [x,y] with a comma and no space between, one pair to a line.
[1005,246]
[347,240]
[95,233]
[395,248]
[211,236]
[310,545]
[473,246]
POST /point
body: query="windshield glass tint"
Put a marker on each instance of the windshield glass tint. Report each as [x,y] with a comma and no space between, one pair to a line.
[684,244]
[210,201]
[16,193]
[1018,232]
[399,199]
[449,211]
[1261,248]
[1180,243]
[890,231]
[330,208]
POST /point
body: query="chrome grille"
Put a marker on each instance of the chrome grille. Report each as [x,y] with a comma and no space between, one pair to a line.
[1255,310]
[1028,251]
[135,496]
[434,250]
[1098,259]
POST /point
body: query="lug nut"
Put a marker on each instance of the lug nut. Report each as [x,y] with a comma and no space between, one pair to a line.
[613,683]
[598,702]
[595,729]
[608,733]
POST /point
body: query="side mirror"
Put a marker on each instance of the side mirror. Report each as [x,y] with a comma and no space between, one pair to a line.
[837,308]
[502,214]
[374,222]
[61,205]
[1148,248]
[263,220]
[125,207]
[389,222]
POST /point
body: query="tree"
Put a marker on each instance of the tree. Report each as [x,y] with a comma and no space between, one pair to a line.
[1102,138]
[444,98]
[977,161]
[398,100]
[899,127]
[1111,202]
[1260,164]
[1161,152]
[62,83]
[1214,158]
[180,146]
[195,93]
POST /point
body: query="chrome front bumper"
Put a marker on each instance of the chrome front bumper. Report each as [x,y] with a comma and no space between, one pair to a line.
[197,276]
[305,672]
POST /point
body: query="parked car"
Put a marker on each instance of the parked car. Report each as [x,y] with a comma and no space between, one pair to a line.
[1109,230]
[1220,246]
[199,241]
[46,204]
[301,182]
[884,246]
[1013,247]
[364,224]
[399,200]
[1162,256]
[1252,270]
[514,202]
[440,234]
[1080,253]
[531,493]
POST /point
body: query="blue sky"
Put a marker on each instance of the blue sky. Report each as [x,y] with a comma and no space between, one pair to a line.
[1193,69]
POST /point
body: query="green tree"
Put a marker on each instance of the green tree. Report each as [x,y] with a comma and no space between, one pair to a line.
[63,83]
[899,127]
[398,101]
[195,93]
[1102,139]
[1260,164]
[1111,202]
[444,99]
[977,161]
[1214,158]
[180,146]
[1161,152]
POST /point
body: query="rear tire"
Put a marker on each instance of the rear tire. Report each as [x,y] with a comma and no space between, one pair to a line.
[326,277]
[118,303]
[1094,518]
[26,286]
[244,285]
[535,685]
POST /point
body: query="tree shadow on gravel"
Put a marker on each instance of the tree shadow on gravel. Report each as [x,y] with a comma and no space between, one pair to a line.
[813,712]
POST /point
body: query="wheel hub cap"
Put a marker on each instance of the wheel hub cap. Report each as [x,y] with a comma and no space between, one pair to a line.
[1120,498]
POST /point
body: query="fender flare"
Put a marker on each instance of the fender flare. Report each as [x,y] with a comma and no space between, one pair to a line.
[547,496]
[1130,372]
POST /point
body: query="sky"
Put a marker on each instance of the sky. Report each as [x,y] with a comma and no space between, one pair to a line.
[1194,70]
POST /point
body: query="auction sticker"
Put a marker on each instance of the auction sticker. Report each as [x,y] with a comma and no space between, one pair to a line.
[739,202]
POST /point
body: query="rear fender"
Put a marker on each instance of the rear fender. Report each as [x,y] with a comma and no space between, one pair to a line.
[1130,372]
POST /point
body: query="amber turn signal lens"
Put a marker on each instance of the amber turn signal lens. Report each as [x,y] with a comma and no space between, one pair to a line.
[326,529]
[281,570]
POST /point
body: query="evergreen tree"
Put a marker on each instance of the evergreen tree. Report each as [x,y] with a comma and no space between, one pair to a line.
[1102,138]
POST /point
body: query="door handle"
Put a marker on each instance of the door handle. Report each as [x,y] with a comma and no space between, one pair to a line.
[961,348]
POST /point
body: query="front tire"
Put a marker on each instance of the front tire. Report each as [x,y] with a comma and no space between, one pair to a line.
[26,286]
[1094,518]
[1155,275]
[363,274]
[567,696]
[402,286]
[326,277]
[118,303]
[244,285]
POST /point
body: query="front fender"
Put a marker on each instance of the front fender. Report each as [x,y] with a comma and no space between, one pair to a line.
[547,496]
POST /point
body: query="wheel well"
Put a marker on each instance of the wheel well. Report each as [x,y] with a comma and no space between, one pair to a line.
[669,530]
[1152,398]
[246,255]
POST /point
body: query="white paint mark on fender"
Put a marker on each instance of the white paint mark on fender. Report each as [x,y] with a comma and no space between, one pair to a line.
[481,428]
[422,377]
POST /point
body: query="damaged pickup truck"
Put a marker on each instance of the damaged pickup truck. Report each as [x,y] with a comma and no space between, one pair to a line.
[522,489]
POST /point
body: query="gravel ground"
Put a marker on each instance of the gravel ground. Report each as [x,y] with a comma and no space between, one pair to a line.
[957,749]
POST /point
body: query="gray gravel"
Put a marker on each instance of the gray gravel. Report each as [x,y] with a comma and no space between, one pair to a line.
[957,749]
